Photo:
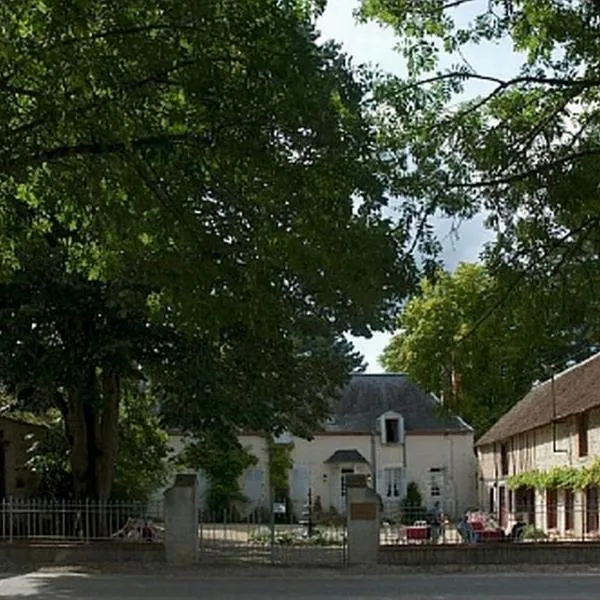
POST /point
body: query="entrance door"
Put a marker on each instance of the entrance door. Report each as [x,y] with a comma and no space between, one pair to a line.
[343,473]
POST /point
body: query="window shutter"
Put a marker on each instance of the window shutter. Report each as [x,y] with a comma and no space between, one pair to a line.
[381,483]
[403,484]
[382,430]
[400,429]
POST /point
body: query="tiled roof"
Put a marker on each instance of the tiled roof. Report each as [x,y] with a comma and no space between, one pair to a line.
[367,396]
[346,456]
[574,391]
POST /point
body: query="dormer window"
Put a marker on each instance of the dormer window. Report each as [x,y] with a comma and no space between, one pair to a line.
[392,428]
[392,431]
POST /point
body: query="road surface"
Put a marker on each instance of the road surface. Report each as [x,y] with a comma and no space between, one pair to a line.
[62,586]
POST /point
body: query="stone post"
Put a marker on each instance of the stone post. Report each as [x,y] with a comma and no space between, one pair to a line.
[363,513]
[181,520]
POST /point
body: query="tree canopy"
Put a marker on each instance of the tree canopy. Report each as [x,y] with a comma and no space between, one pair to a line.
[481,361]
[189,192]
[526,151]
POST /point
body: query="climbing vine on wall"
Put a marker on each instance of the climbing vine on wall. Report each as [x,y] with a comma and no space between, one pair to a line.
[558,478]
[280,464]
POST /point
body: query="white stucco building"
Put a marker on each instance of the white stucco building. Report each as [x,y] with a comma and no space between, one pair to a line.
[384,426]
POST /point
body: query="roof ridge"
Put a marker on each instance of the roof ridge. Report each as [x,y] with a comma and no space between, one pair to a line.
[386,374]
[568,370]
[493,435]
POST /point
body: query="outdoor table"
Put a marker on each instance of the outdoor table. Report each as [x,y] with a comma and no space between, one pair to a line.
[491,535]
[419,533]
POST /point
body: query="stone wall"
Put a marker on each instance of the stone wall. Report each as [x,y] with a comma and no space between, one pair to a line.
[492,554]
[42,554]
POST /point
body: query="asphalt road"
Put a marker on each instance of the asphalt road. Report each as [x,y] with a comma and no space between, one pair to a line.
[318,587]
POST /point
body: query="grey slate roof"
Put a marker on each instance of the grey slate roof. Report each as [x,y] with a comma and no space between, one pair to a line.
[367,396]
[346,456]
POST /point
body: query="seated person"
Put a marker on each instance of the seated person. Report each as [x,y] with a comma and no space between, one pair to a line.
[518,529]
[465,529]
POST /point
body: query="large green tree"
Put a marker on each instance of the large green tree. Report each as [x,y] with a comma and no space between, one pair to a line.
[191,190]
[457,342]
[525,151]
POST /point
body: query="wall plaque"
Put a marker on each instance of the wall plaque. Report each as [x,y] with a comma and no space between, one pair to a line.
[363,511]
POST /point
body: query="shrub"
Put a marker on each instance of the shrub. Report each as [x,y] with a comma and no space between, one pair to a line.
[412,506]
[531,532]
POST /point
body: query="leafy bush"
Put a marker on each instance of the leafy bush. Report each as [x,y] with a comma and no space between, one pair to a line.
[224,461]
[412,506]
[296,537]
[531,532]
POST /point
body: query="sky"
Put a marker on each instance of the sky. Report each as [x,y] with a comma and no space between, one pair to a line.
[373,44]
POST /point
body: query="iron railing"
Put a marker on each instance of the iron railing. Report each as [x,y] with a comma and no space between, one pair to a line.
[79,521]
[539,523]
[270,538]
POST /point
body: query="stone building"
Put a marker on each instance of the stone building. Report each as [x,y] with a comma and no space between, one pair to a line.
[554,429]
[16,437]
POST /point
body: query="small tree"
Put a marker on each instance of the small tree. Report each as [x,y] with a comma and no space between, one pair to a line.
[280,464]
[412,506]
[224,461]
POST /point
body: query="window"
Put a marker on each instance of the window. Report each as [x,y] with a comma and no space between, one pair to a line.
[391,426]
[392,431]
[436,485]
[582,434]
[504,459]
[551,502]
[392,482]
[492,499]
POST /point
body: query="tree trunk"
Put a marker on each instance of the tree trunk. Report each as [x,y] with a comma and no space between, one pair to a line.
[108,439]
[92,429]
[92,419]
[77,435]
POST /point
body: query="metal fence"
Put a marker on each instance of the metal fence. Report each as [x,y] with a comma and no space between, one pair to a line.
[536,523]
[79,521]
[261,537]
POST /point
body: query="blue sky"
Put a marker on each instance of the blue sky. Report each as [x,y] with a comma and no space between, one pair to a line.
[372,44]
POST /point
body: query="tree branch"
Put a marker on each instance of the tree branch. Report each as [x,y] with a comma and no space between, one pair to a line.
[98,148]
[504,83]
[540,169]
[126,31]
[455,4]
[522,275]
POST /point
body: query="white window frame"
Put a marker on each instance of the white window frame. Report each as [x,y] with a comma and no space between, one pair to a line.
[392,482]
[390,415]
[437,482]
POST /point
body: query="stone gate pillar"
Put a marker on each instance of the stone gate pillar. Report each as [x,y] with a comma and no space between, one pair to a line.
[363,514]
[181,520]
